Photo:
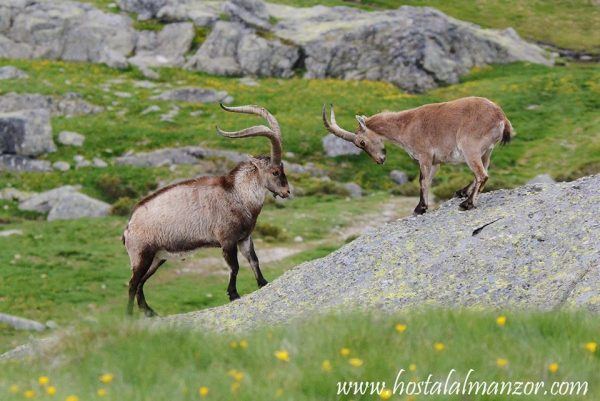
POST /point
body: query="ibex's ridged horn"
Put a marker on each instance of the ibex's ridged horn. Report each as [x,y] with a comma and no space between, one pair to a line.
[334,128]
[273,133]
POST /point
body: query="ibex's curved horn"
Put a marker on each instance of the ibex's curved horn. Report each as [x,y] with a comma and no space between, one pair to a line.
[334,128]
[273,133]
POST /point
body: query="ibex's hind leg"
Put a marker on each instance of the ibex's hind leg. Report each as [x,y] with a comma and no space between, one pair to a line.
[140,263]
[466,191]
[476,165]
[148,311]
[247,249]
[427,172]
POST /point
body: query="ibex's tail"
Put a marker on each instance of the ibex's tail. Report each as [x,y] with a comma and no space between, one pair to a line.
[508,132]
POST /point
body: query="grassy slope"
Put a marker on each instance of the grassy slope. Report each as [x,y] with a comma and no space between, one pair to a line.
[173,365]
[560,137]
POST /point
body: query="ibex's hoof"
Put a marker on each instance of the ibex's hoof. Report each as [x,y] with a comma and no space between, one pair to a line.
[460,194]
[150,313]
[420,209]
[262,283]
[466,205]
[233,297]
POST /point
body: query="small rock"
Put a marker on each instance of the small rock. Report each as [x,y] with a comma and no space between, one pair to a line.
[298,238]
[15,194]
[10,72]
[335,146]
[21,163]
[7,233]
[71,138]
[150,109]
[354,189]
[75,205]
[170,116]
[81,161]
[44,201]
[399,177]
[542,179]
[61,166]
[97,162]
[148,72]
[144,84]
[196,113]
[533,107]
[123,95]
[248,81]
[193,95]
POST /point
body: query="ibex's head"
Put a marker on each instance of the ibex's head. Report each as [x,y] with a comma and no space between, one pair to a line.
[363,138]
[270,168]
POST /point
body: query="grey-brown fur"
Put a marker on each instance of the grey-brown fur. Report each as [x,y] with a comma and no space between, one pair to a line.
[463,130]
[203,212]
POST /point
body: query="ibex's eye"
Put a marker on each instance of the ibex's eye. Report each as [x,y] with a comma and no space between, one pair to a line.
[362,144]
[275,173]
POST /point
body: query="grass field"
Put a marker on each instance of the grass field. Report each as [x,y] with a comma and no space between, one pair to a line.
[559,136]
[121,361]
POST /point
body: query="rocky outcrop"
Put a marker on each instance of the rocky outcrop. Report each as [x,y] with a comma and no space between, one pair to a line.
[65,203]
[26,133]
[534,247]
[21,163]
[64,30]
[234,49]
[416,48]
[69,105]
[165,48]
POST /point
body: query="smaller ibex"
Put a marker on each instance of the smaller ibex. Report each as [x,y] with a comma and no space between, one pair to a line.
[459,131]
[206,212]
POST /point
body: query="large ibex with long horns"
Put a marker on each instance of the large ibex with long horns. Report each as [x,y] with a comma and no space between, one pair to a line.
[460,131]
[206,212]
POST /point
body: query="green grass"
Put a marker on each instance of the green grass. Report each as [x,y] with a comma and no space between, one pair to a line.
[168,364]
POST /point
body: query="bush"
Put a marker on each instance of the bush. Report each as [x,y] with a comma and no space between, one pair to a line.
[324,187]
[270,232]
[411,188]
[123,206]
[113,188]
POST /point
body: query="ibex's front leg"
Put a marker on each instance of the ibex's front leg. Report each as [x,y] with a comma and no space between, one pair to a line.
[427,172]
[230,256]
[247,249]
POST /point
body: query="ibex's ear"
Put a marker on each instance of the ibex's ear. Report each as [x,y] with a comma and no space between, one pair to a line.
[361,121]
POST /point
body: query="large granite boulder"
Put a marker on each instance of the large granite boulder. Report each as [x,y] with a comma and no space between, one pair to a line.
[10,72]
[540,252]
[234,49]
[26,133]
[194,95]
[335,146]
[415,48]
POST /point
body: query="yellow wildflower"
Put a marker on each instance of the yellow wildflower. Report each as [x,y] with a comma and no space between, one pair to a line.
[282,355]
[501,320]
[72,398]
[14,388]
[591,346]
[553,367]
[233,344]
[412,367]
[29,394]
[356,362]
[439,346]
[326,366]
[345,351]
[244,344]
[51,390]
[279,392]
[101,392]
[501,362]
[400,328]
[106,378]
[203,391]
[43,380]
[385,394]
[236,375]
